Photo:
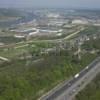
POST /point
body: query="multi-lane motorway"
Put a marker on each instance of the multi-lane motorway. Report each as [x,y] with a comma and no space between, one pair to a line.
[68,89]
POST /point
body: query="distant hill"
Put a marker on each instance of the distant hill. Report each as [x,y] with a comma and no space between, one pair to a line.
[11,12]
[10,16]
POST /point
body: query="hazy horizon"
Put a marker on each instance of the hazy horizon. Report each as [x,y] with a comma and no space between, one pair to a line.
[50,3]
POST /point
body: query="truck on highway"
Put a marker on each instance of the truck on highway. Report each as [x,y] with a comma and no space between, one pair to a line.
[76,76]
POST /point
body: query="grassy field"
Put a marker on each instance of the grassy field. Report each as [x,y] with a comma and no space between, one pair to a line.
[91,30]
[11,52]
[26,80]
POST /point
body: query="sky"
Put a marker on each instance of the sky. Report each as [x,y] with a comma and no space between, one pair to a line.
[51,3]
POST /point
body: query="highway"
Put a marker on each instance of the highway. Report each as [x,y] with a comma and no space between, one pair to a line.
[68,89]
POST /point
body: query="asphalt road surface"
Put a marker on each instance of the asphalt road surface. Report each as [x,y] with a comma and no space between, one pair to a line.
[69,89]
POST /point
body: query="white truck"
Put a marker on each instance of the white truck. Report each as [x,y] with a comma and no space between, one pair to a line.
[77,75]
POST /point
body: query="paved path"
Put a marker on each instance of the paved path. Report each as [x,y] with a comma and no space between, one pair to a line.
[4,59]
